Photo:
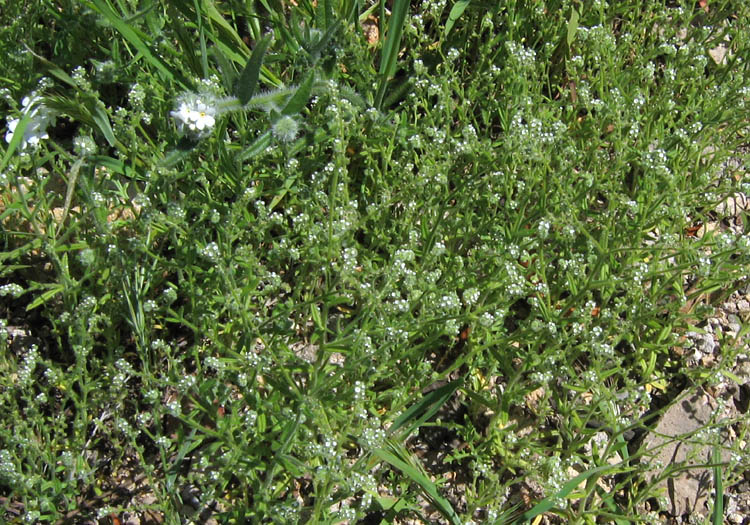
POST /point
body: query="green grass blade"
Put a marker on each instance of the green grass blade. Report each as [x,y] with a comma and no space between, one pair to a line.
[250,75]
[137,41]
[549,502]
[100,117]
[456,11]
[389,54]
[325,40]
[53,69]
[414,473]
[231,38]
[16,140]
[425,408]
[718,513]
[44,297]
[572,27]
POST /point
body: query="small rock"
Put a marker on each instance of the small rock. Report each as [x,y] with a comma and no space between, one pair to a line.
[719,53]
[734,323]
[733,205]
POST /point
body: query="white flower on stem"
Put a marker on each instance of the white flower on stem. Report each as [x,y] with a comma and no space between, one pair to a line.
[36,129]
[195,114]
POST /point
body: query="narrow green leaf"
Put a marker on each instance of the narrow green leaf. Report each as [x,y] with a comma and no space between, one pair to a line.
[53,69]
[317,49]
[572,26]
[297,101]
[456,11]
[292,465]
[228,72]
[15,140]
[257,147]
[425,408]
[288,183]
[718,514]
[101,119]
[209,9]
[114,165]
[136,41]
[389,54]
[250,75]
[429,488]
[46,296]
[184,39]
[204,54]
[608,501]
[549,502]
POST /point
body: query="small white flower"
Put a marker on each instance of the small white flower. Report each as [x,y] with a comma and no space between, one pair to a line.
[202,117]
[36,129]
[195,114]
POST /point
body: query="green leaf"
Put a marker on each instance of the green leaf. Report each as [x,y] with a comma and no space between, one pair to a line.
[718,513]
[101,119]
[137,41]
[413,472]
[456,11]
[250,75]
[114,165]
[297,101]
[16,140]
[572,26]
[549,502]
[53,69]
[389,54]
[425,408]
[317,49]
[208,8]
[257,147]
[46,296]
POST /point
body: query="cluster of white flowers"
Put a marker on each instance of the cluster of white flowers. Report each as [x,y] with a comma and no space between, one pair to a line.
[520,54]
[28,366]
[211,252]
[8,471]
[40,118]
[195,114]
[12,289]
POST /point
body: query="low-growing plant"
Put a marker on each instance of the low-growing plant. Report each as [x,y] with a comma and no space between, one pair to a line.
[259,268]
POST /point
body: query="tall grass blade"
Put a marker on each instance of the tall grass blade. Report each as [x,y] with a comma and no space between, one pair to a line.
[718,513]
[100,117]
[231,38]
[389,54]
[16,139]
[572,27]
[415,473]
[137,41]
[425,408]
[549,502]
